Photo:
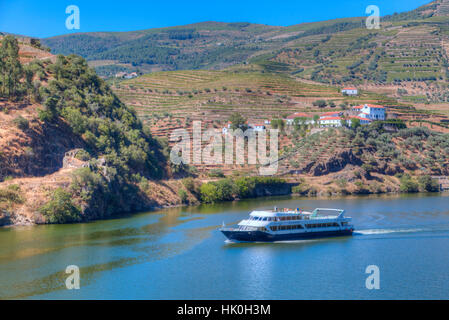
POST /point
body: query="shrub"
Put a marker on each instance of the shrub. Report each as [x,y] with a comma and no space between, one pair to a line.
[408,184]
[342,183]
[245,187]
[209,193]
[216,173]
[11,194]
[320,103]
[21,123]
[182,195]
[144,184]
[189,184]
[61,209]
[302,188]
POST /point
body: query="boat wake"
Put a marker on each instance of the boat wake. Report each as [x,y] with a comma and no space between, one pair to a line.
[387,231]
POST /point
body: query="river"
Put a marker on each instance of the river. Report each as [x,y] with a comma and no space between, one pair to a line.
[179,254]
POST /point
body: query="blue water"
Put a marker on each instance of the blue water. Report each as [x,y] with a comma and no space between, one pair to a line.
[179,254]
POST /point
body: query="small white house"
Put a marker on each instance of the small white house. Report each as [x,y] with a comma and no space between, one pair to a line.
[257,127]
[350,91]
[337,121]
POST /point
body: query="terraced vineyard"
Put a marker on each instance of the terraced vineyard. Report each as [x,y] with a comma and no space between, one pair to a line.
[214,95]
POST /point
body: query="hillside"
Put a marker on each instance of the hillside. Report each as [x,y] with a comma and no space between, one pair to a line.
[407,53]
[208,45]
[70,150]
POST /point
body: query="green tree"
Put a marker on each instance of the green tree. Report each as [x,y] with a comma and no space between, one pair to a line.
[428,184]
[408,184]
[61,209]
[355,123]
[11,70]
[320,103]
[238,121]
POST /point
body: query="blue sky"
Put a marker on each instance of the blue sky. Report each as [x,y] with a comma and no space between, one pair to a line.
[47,18]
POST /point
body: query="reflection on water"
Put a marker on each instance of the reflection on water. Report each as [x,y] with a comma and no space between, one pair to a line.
[180,251]
[95,247]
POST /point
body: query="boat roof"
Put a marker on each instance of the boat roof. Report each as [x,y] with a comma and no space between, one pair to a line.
[272,213]
[286,211]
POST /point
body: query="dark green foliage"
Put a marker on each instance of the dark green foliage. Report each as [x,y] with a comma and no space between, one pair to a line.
[93,112]
[227,189]
[11,71]
[427,183]
[216,173]
[222,190]
[82,155]
[355,123]
[320,103]
[237,121]
[61,209]
[278,124]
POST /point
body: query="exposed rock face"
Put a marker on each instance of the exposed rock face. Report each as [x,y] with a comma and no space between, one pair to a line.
[336,163]
[36,151]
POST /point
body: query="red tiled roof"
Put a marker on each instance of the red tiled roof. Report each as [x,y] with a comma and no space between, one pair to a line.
[357,107]
[331,118]
[375,106]
[360,118]
[350,88]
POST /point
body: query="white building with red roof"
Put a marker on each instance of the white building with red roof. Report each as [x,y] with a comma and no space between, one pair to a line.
[298,115]
[338,121]
[371,111]
[350,91]
[363,121]
[331,121]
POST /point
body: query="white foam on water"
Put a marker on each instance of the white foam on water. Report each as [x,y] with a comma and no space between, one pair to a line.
[386,231]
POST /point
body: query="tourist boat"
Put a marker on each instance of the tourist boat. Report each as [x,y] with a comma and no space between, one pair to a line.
[290,224]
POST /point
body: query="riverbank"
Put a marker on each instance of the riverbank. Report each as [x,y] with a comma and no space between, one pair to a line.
[27,196]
